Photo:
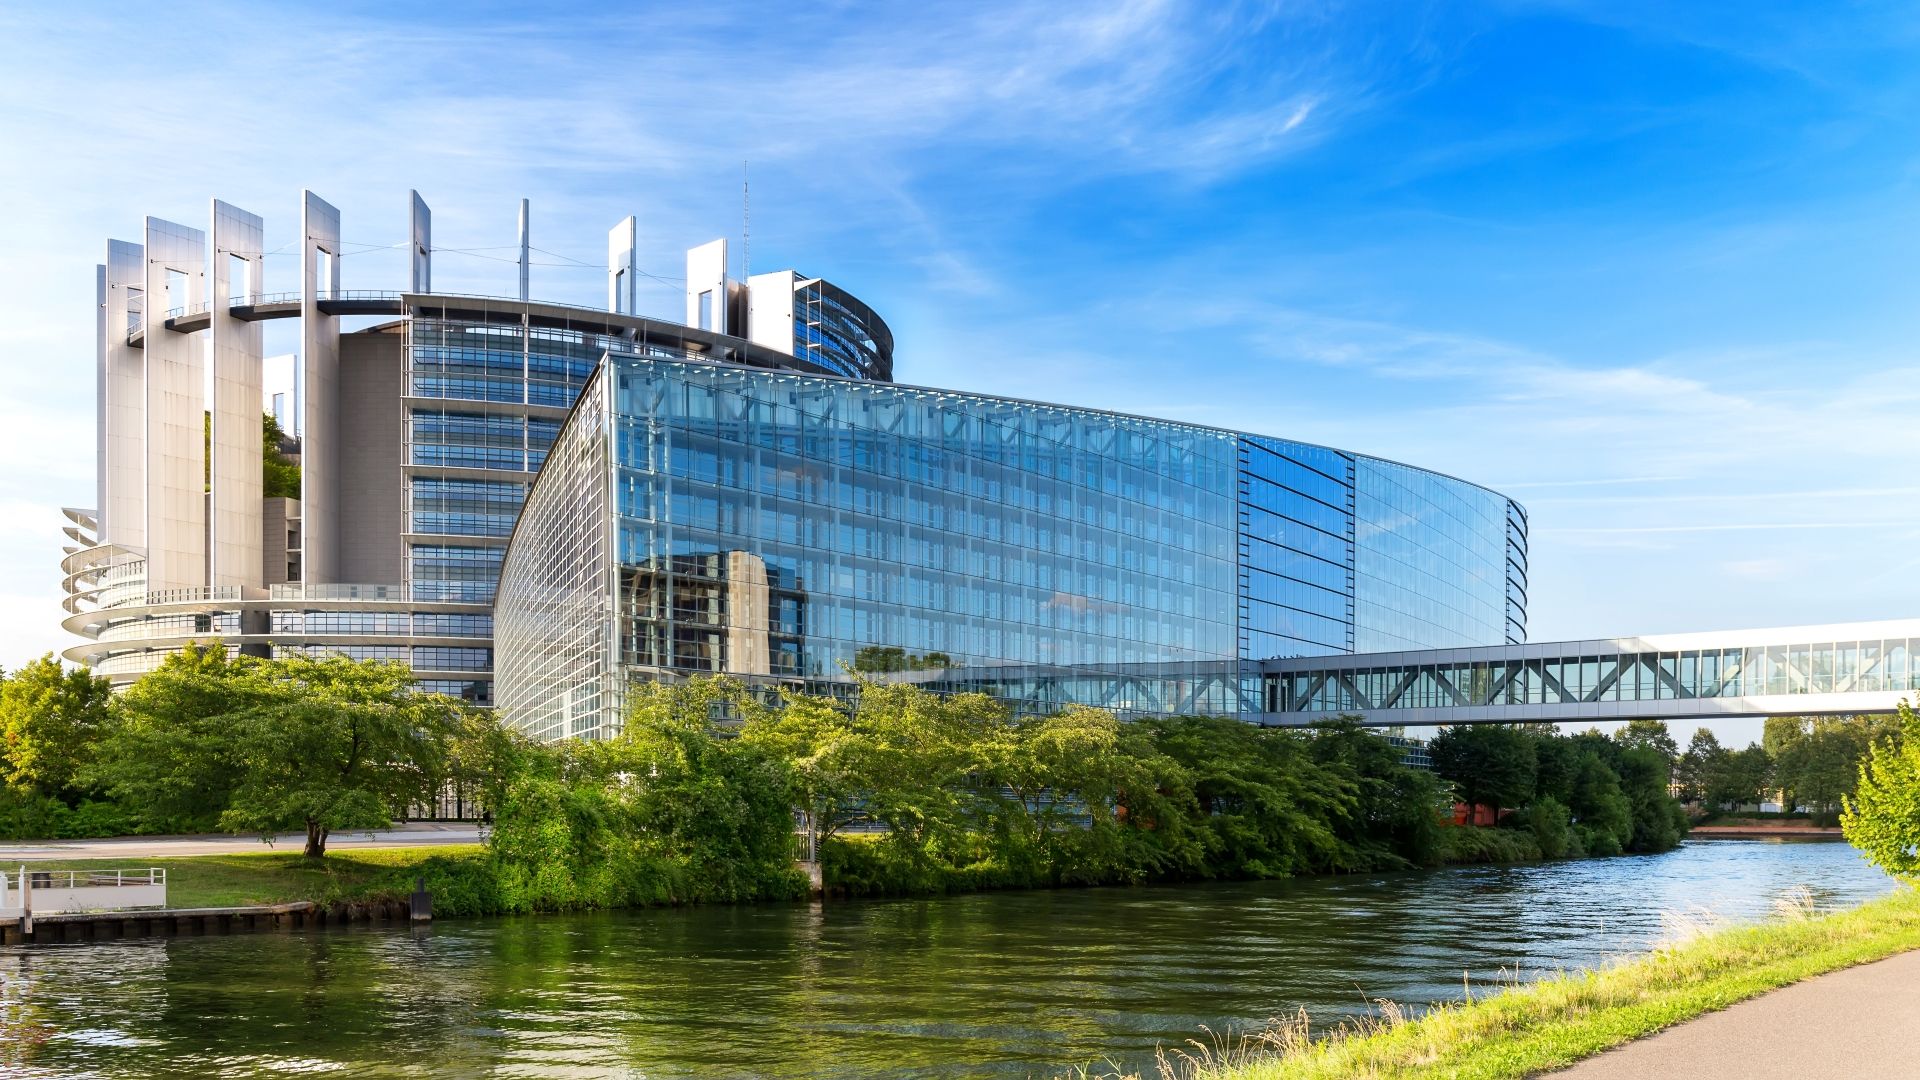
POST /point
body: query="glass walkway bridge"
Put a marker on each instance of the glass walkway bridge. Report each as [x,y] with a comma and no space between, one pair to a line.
[1802,670]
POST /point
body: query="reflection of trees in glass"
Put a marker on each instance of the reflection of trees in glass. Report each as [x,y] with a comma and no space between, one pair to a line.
[889,658]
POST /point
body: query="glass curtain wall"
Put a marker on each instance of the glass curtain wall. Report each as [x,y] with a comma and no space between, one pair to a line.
[553,614]
[795,529]
[1432,561]
[488,399]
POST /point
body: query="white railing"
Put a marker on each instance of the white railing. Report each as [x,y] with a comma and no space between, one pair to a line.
[25,892]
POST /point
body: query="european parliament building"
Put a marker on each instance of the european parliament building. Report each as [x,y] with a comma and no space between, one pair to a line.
[536,504]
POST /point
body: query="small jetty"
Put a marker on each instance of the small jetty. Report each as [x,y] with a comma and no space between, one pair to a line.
[78,927]
[53,907]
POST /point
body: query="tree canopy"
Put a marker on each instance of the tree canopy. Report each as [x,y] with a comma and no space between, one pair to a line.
[241,744]
[50,717]
[1882,815]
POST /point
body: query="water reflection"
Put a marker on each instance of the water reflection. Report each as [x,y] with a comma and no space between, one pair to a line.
[1015,984]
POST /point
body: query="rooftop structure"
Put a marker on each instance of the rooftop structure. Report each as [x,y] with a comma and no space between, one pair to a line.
[418,437]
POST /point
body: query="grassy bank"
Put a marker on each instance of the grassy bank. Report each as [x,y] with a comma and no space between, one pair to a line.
[1555,1022]
[242,880]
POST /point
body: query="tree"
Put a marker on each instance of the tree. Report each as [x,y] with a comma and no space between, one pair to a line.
[1488,764]
[329,744]
[720,806]
[1882,815]
[1653,735]
[1817,758]
[1736,777]
[170,753]
[915,753]
[1704,754]
[1263,807]
[208,740]
[1658,821]
[817,738]
[1396,811]
[1600,810]
[279,475]
[50,719]
[1056,768]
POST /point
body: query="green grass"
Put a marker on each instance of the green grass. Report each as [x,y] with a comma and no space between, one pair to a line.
[242,880]
[1548,1024]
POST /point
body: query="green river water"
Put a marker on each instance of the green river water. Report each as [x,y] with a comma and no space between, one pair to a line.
[1008,984]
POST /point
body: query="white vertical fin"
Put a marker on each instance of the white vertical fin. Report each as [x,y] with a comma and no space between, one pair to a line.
[623,269]
[526,260]
[319,398]
[123,399]
[237,242]
[421,221]
[176,501]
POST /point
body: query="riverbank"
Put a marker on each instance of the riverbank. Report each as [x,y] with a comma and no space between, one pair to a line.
[465,879]
[1764,832]
[1003,985]
[1527,1030]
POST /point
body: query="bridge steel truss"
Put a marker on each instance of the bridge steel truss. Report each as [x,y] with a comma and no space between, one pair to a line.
[1807,670]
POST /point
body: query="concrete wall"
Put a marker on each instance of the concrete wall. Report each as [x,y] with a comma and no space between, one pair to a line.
[279,541]
[372,511]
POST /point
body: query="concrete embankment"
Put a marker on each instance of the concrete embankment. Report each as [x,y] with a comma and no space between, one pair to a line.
[80,927]
[1763,832]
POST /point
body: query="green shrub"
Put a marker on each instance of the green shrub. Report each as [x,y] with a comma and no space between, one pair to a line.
[1551,826]
[29,817]
[97,818]
[1598,842]
[1476,844]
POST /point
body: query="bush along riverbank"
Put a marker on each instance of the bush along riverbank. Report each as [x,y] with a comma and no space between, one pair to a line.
[909,793]
[1544,1025]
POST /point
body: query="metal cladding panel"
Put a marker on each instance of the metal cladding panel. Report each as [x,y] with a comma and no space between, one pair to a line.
[237,349]
[526,253]
[623,267]
[707,276]
[320,349]
[770,306]
[176,507]
[421,221]
[122,494]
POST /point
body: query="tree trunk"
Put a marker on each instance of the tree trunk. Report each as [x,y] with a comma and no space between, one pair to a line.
[316,839]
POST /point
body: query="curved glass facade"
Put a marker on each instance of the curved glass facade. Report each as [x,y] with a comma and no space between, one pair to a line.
[837,331]
[788,528]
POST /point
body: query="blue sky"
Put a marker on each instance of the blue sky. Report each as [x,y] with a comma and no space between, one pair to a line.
[1650,268]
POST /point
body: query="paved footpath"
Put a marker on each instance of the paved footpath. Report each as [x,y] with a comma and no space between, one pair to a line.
[1854,1024]
[411,834]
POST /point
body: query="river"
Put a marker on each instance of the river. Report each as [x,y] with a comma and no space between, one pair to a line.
[1010,984]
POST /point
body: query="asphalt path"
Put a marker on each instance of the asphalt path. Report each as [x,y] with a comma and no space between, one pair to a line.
[412,834]
[1855,1024]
